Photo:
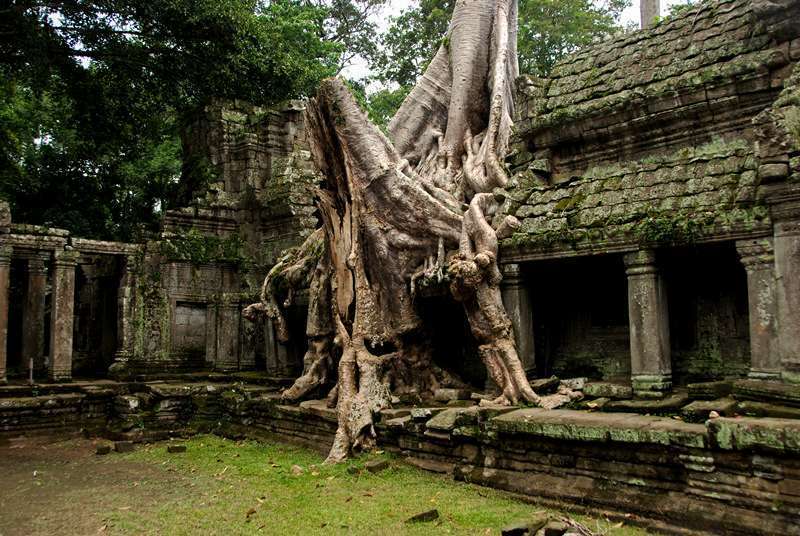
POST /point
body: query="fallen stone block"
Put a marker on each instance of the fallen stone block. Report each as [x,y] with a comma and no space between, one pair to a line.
[669,404]
[576,384]
[424,517]
[526,528]
[709,390]
[700,410]
[555,528]
[123,446]
[376,466]
[446,395]
[423,414]
[543,386]
[103,449]
[174,449]
[608,390]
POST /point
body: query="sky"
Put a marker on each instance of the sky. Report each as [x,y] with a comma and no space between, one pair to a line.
[359,69]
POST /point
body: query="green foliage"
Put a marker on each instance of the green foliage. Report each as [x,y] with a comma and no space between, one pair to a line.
[548,29]
[680,8]
[383,104]
[197,248]
[92,94]
[412,40]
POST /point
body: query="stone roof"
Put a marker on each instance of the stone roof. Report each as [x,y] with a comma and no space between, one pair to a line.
[712,43]
[688,196]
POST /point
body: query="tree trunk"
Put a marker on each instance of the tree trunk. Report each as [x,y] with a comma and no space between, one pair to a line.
[392,209]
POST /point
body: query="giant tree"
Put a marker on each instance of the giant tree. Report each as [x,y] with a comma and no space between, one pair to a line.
[413,205]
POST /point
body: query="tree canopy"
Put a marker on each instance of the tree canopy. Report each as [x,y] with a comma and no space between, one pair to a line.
[548,29]
[93,93]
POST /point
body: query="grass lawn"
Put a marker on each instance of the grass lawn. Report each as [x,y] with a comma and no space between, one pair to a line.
[243,487]
[220,486]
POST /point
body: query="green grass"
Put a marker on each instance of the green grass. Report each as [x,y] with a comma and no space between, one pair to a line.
[248,487]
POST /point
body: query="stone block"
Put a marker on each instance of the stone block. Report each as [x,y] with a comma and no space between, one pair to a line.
[175,449]
[445,395]
[424,517]
[767,391]
[773,172]
[376,466]
[709,390]
[102,449]
[424,414]
[123,446]
[758,434]
[543,386]
[667,405]
[698,411]
[527,527]
[764,409]
[576,384]
[608,390]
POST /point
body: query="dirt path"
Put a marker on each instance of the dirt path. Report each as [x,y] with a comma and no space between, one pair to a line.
[60,487]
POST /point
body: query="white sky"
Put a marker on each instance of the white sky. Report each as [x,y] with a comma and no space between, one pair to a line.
[358,68]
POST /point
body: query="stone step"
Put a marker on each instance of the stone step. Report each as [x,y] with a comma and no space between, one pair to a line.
[767,391]
[699,410]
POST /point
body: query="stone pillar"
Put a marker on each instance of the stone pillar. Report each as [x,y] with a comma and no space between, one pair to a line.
[33,315]
[228,337]
[125,293]
[759,261]
[518,306]
[63,303]
[787,279]
[648,11]
[651,363]
[5,271]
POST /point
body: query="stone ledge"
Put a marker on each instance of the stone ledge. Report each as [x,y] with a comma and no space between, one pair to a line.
[581,426]
[747,433]
[767,391]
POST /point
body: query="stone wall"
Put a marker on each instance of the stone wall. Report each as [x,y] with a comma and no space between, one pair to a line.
[677,150]
[248,179]
[725,475]
[680,83]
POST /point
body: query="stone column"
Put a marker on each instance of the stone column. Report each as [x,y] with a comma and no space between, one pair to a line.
[759,261]
[63,304]
[651,363]
[787,278]
[125,293]
[228,337]
[5,271]
[518,306]
[33,315]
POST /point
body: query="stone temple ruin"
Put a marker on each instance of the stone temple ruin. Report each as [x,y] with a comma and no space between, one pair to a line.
[656,270]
